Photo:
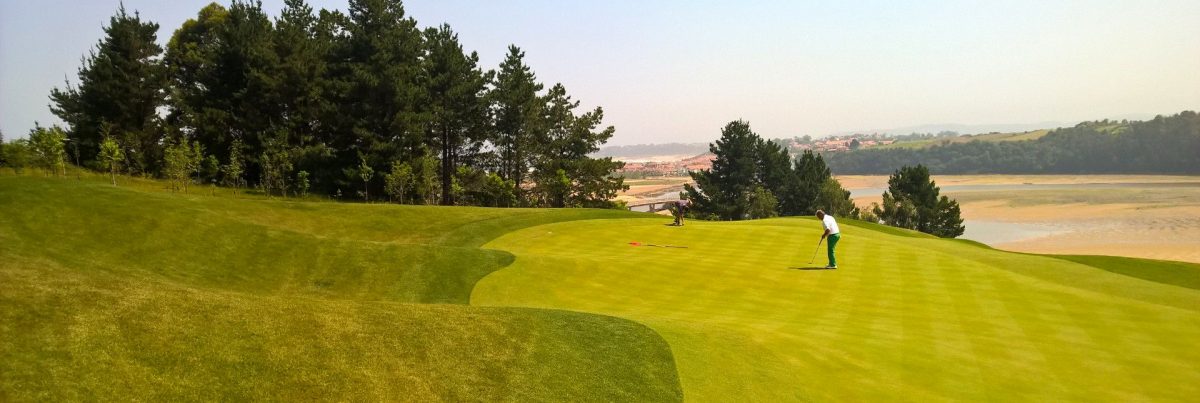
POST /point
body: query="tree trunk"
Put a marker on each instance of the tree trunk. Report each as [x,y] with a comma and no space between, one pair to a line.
[447,167]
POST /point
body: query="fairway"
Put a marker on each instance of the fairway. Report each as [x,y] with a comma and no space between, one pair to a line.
[110,292]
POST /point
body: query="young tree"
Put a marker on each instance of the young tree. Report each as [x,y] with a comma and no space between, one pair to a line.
[17,155]
[234,170]
[111,155]
[195,162]
[365,172]
[210,169]
[459,112]
[120,83]
[516,103]
[499,192]
[177,163]
[912,201]
[276,166]
[425,177]
[398,181]
[724,191]
[46,145]
[302,183]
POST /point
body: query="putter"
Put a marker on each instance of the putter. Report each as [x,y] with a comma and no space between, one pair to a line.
[814,256]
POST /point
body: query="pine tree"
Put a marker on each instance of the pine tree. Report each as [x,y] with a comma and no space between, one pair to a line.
[912,201]
[459,113]
[303,42]
[381,89]
[811,173]
[224,68]
[120,83]
[565,174]
[775,174]
[516,103]
[835,200]
[724,191]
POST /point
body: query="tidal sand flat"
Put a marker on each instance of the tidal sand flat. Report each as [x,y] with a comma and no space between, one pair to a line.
[1148,216]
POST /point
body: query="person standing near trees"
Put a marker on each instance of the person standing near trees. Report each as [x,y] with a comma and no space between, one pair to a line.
[678,209]
[832,233]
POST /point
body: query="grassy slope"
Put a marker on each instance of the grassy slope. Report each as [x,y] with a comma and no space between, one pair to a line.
[906,316]
[111,292]
[1182,274]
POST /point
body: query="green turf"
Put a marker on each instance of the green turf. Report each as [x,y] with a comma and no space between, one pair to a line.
[108,293]
[1182,274]
[118,293]
[903,318]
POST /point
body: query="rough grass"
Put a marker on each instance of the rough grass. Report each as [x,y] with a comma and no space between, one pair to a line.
[905,317]
[117,293]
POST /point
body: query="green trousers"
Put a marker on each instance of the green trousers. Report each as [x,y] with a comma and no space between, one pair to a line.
[833,240]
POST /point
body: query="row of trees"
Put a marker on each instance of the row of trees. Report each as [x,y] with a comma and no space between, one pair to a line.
[756,178]
[359,103]
[1163,145]
[44,148]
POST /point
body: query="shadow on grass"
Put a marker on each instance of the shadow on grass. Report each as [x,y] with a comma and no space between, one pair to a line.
[811,268]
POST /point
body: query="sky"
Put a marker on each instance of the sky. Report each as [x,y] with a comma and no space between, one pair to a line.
[677,71]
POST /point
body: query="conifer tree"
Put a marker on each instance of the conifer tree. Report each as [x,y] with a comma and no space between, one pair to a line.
[516,103]
[724,191]
[459,114]
[120,83]
[912,201]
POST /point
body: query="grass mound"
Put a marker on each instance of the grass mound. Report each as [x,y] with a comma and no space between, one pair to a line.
[108,293]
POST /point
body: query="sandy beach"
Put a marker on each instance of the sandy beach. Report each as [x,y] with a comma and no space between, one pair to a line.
[1148,216]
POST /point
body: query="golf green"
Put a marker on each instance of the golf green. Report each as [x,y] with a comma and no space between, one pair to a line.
[113,293]
[905,317]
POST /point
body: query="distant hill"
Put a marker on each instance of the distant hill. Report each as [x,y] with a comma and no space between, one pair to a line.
[1163,145]
[967,138]
[967,128]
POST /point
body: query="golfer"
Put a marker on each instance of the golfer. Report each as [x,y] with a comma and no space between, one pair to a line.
[680,209]
[833,233]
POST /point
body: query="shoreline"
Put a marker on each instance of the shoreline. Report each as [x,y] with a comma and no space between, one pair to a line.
[1144,216]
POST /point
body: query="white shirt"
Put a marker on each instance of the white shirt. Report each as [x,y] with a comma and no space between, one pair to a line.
[830,225]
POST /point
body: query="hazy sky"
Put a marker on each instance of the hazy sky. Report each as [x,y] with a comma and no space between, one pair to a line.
[669,71]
